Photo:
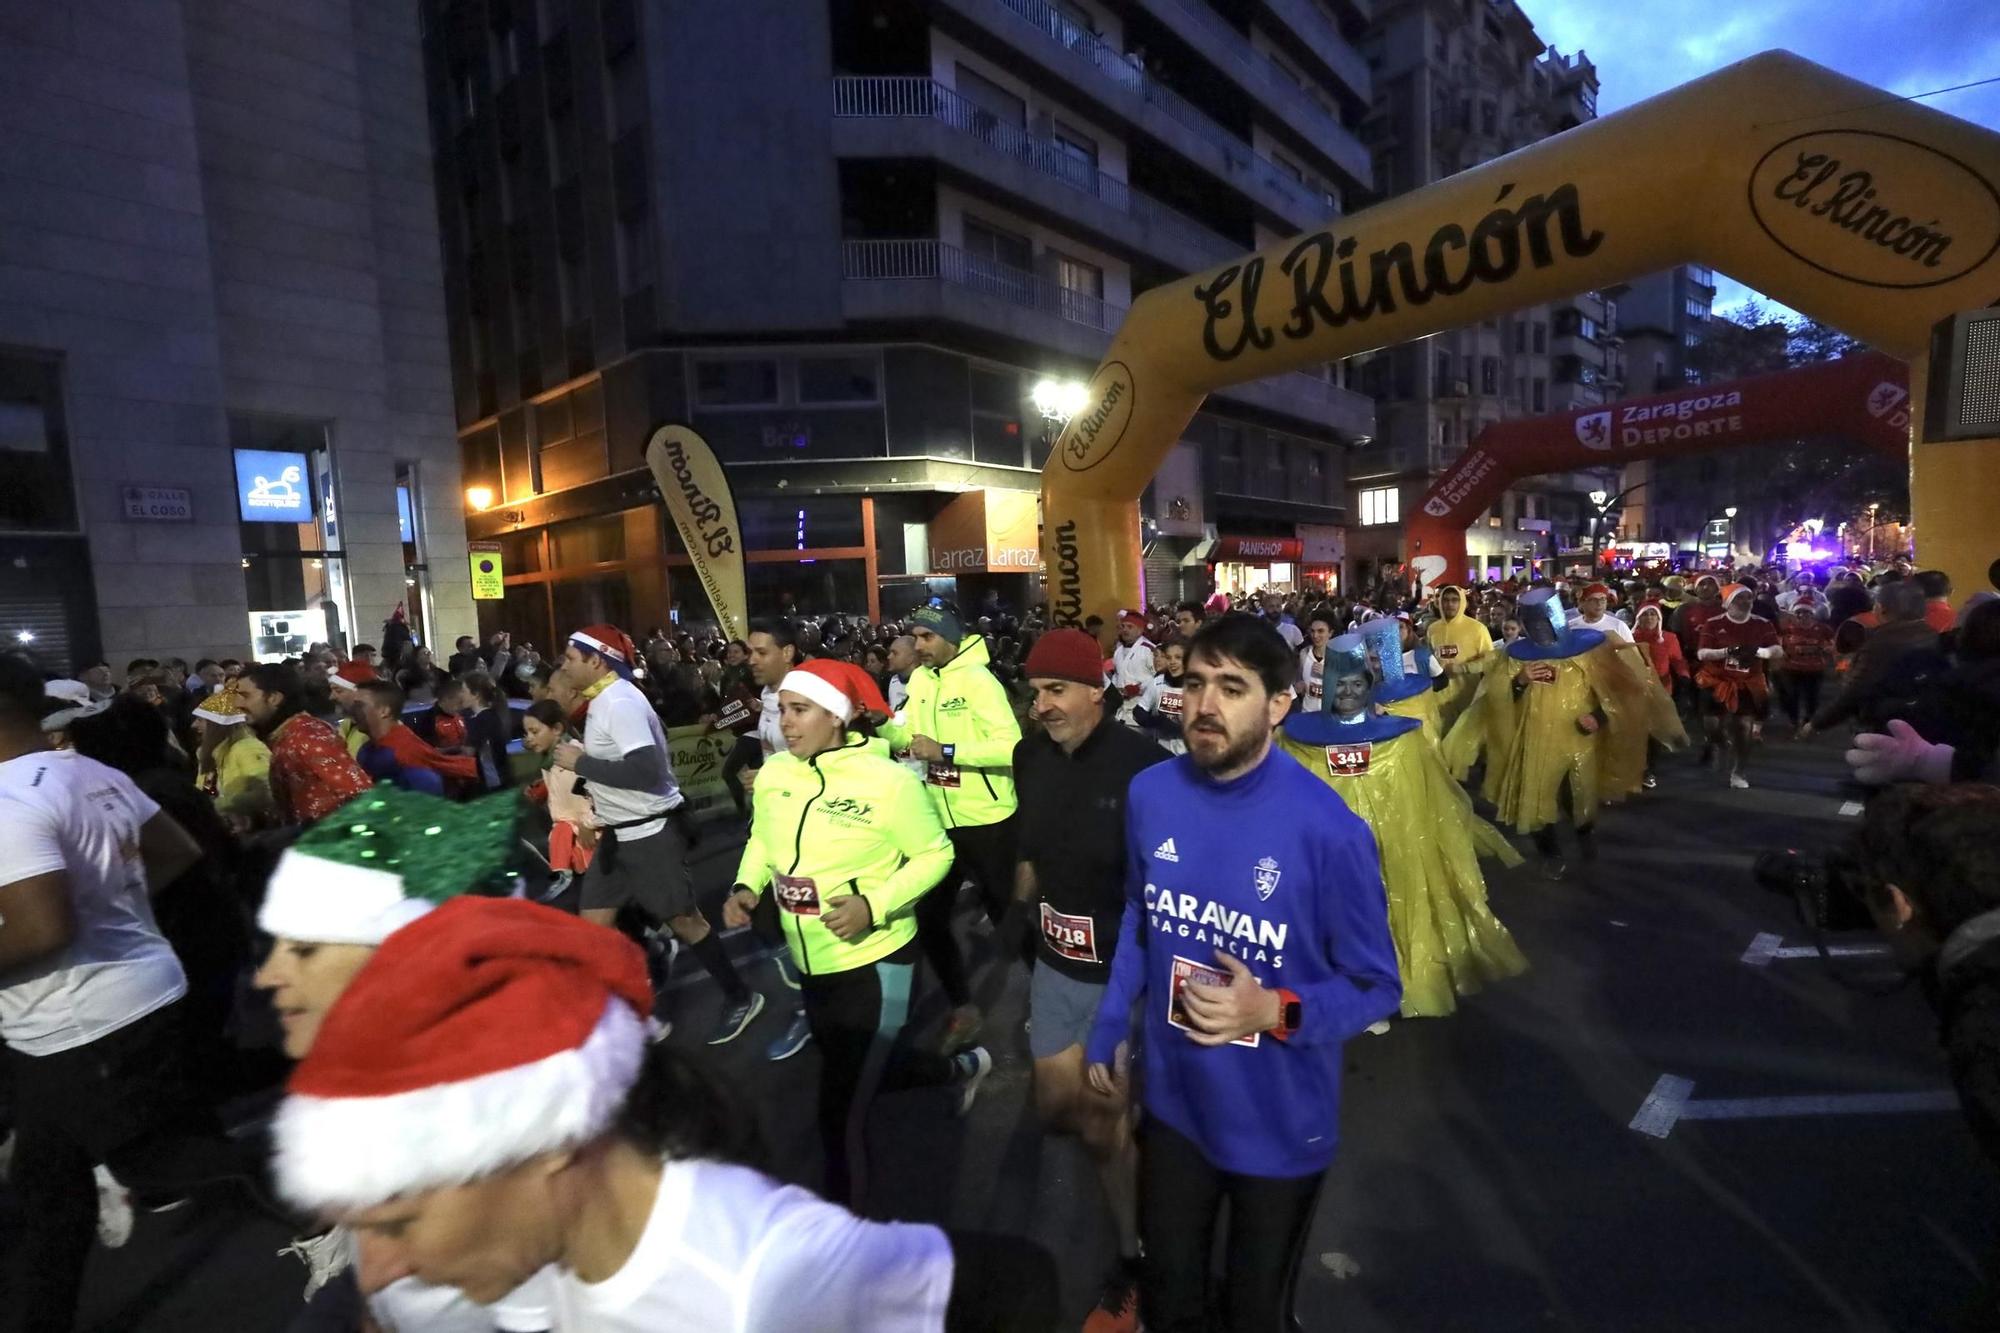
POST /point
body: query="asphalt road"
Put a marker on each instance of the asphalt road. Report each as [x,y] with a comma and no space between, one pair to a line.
[1489,1178]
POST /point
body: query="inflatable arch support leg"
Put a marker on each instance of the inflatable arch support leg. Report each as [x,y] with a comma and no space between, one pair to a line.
[1871,214]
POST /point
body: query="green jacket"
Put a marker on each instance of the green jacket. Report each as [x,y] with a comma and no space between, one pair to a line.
[965,708]
[850,820]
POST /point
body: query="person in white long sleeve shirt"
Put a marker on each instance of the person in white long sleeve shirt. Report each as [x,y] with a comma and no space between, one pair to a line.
[902,661]
[1132,666]
[1312,659]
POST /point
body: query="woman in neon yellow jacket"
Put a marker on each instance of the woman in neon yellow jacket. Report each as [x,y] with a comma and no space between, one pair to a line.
[844,839]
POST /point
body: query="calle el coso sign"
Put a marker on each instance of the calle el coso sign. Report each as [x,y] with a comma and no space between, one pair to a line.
[1875,208]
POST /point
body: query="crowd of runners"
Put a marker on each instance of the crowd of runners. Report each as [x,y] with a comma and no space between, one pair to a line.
[460,889]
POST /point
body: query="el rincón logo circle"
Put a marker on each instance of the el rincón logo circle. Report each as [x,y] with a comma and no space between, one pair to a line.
[1875,209]
[1093,434]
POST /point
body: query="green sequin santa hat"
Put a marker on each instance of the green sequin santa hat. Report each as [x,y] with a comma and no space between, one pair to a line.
[383,860]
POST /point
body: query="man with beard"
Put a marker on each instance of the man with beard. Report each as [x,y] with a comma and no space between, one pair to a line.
[312,773]
[1254,944]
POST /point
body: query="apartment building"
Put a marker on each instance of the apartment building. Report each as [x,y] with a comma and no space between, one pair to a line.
[868,248]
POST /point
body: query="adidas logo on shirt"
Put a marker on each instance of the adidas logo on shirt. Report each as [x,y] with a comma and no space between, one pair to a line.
[1166,852]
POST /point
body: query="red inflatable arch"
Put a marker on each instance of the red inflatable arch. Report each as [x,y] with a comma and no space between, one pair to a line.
[1864,398]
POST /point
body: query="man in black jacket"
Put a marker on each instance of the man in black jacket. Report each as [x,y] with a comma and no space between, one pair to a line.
[1897,657]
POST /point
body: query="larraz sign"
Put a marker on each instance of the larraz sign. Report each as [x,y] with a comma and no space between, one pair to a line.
[1875,209]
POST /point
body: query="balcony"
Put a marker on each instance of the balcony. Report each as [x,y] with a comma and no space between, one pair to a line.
[1316,32]
[872,118]
[1267,85]
[923,279]
[1081,58]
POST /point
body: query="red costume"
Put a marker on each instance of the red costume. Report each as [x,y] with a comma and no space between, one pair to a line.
[1738,681]
[312,774]
[411,751]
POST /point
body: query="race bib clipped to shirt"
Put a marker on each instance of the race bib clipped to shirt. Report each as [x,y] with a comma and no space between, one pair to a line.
[1349,761]
[1186,970]
[1447,651]
[797,894]
[1170,702]
[1072,937]
[941,775]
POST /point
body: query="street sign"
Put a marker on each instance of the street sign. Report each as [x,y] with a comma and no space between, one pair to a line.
[489,580]
[158,504]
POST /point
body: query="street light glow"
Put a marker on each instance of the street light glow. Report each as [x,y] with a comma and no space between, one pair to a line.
[1730,512]
[479,497]
[25,636]
[1059,400]
[1599,497]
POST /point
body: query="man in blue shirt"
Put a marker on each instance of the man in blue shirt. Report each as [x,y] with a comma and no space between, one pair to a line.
[1254,943]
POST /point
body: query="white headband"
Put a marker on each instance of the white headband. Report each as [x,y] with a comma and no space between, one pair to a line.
[813,686]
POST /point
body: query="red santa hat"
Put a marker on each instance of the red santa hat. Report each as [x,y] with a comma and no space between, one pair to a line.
[351,676]
[1596,590]
[480,1035]
[841,688]
[610,643]
[1134,618]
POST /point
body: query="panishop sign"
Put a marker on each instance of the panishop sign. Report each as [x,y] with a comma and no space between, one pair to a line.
[1875,209]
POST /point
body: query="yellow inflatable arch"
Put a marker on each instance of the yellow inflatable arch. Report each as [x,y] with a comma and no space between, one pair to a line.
[1871,213]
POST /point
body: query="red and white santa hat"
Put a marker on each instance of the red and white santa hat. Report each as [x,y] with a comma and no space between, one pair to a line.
[480,1035]
[352,676]
[610,643]
[1134,618]
[841,688]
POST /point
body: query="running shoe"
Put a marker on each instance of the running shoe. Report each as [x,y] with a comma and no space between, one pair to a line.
[1738,781]
[973,1067]
[1649,782]
[737,1017]
[1117,1309]
[1379,1028]
[962,1030]
[114,1210]
[793,1040]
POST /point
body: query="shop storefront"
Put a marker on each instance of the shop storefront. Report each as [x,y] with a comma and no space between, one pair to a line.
[986,542]
[294,566]
[1323,548]
[1245,566]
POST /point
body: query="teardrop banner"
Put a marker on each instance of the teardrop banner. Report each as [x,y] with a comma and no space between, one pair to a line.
[697,495]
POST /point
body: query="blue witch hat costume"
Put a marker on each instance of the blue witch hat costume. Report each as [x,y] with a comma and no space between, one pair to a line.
[1386,638]
[1544,606]
[1347,656]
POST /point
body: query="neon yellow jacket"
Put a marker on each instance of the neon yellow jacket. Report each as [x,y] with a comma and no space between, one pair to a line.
[242,774]
[851,820]
[964,706]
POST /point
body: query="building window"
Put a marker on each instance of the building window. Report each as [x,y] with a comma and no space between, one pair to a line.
[736,382]
[839,380]
[994,105]
[1082,290]
[1076,155]
[34,448]
[1489,374]
[1541,401]
[1380,506]
[1541,336]
[1444,374]
[1289,167]
[1697,309]
[984,241]
[1489,119]
[1521,336]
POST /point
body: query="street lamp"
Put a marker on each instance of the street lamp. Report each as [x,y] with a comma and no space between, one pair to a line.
[479,497]
[1597,499]
[1059,400]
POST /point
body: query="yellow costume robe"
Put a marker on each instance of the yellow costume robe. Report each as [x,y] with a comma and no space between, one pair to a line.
[1448,942]
[1464,648]
[1531,739]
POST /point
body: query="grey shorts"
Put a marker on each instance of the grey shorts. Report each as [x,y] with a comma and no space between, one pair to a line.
[651,873]
[1061,1010]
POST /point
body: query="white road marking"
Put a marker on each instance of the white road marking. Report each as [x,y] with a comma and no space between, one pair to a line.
[1851,808]
[1672,1101]
[1767,947]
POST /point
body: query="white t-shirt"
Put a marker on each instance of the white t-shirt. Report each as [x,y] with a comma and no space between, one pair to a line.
[1132,664]
[899,693]
[768,720]
[1610,626]
[412,1306]
[620,721]
[61,811]
[728,1250]
[1312,678]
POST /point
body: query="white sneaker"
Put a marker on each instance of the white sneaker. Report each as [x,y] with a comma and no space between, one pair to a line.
[324,1256]
[114,1210]
[1738,781]
[1378,1027]
[972,1075]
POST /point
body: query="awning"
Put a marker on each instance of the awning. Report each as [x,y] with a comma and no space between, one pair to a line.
[1258,550]
[1200,554]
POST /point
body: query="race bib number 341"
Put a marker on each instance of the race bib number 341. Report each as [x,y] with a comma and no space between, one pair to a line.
[1073,937]
[1186,970]
[1349,761]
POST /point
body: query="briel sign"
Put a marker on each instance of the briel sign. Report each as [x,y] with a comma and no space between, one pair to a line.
[272,487]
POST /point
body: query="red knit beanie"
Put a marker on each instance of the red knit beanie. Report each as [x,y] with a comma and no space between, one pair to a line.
[1066,654]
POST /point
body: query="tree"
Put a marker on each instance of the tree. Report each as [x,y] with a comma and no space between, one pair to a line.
[1811,476]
